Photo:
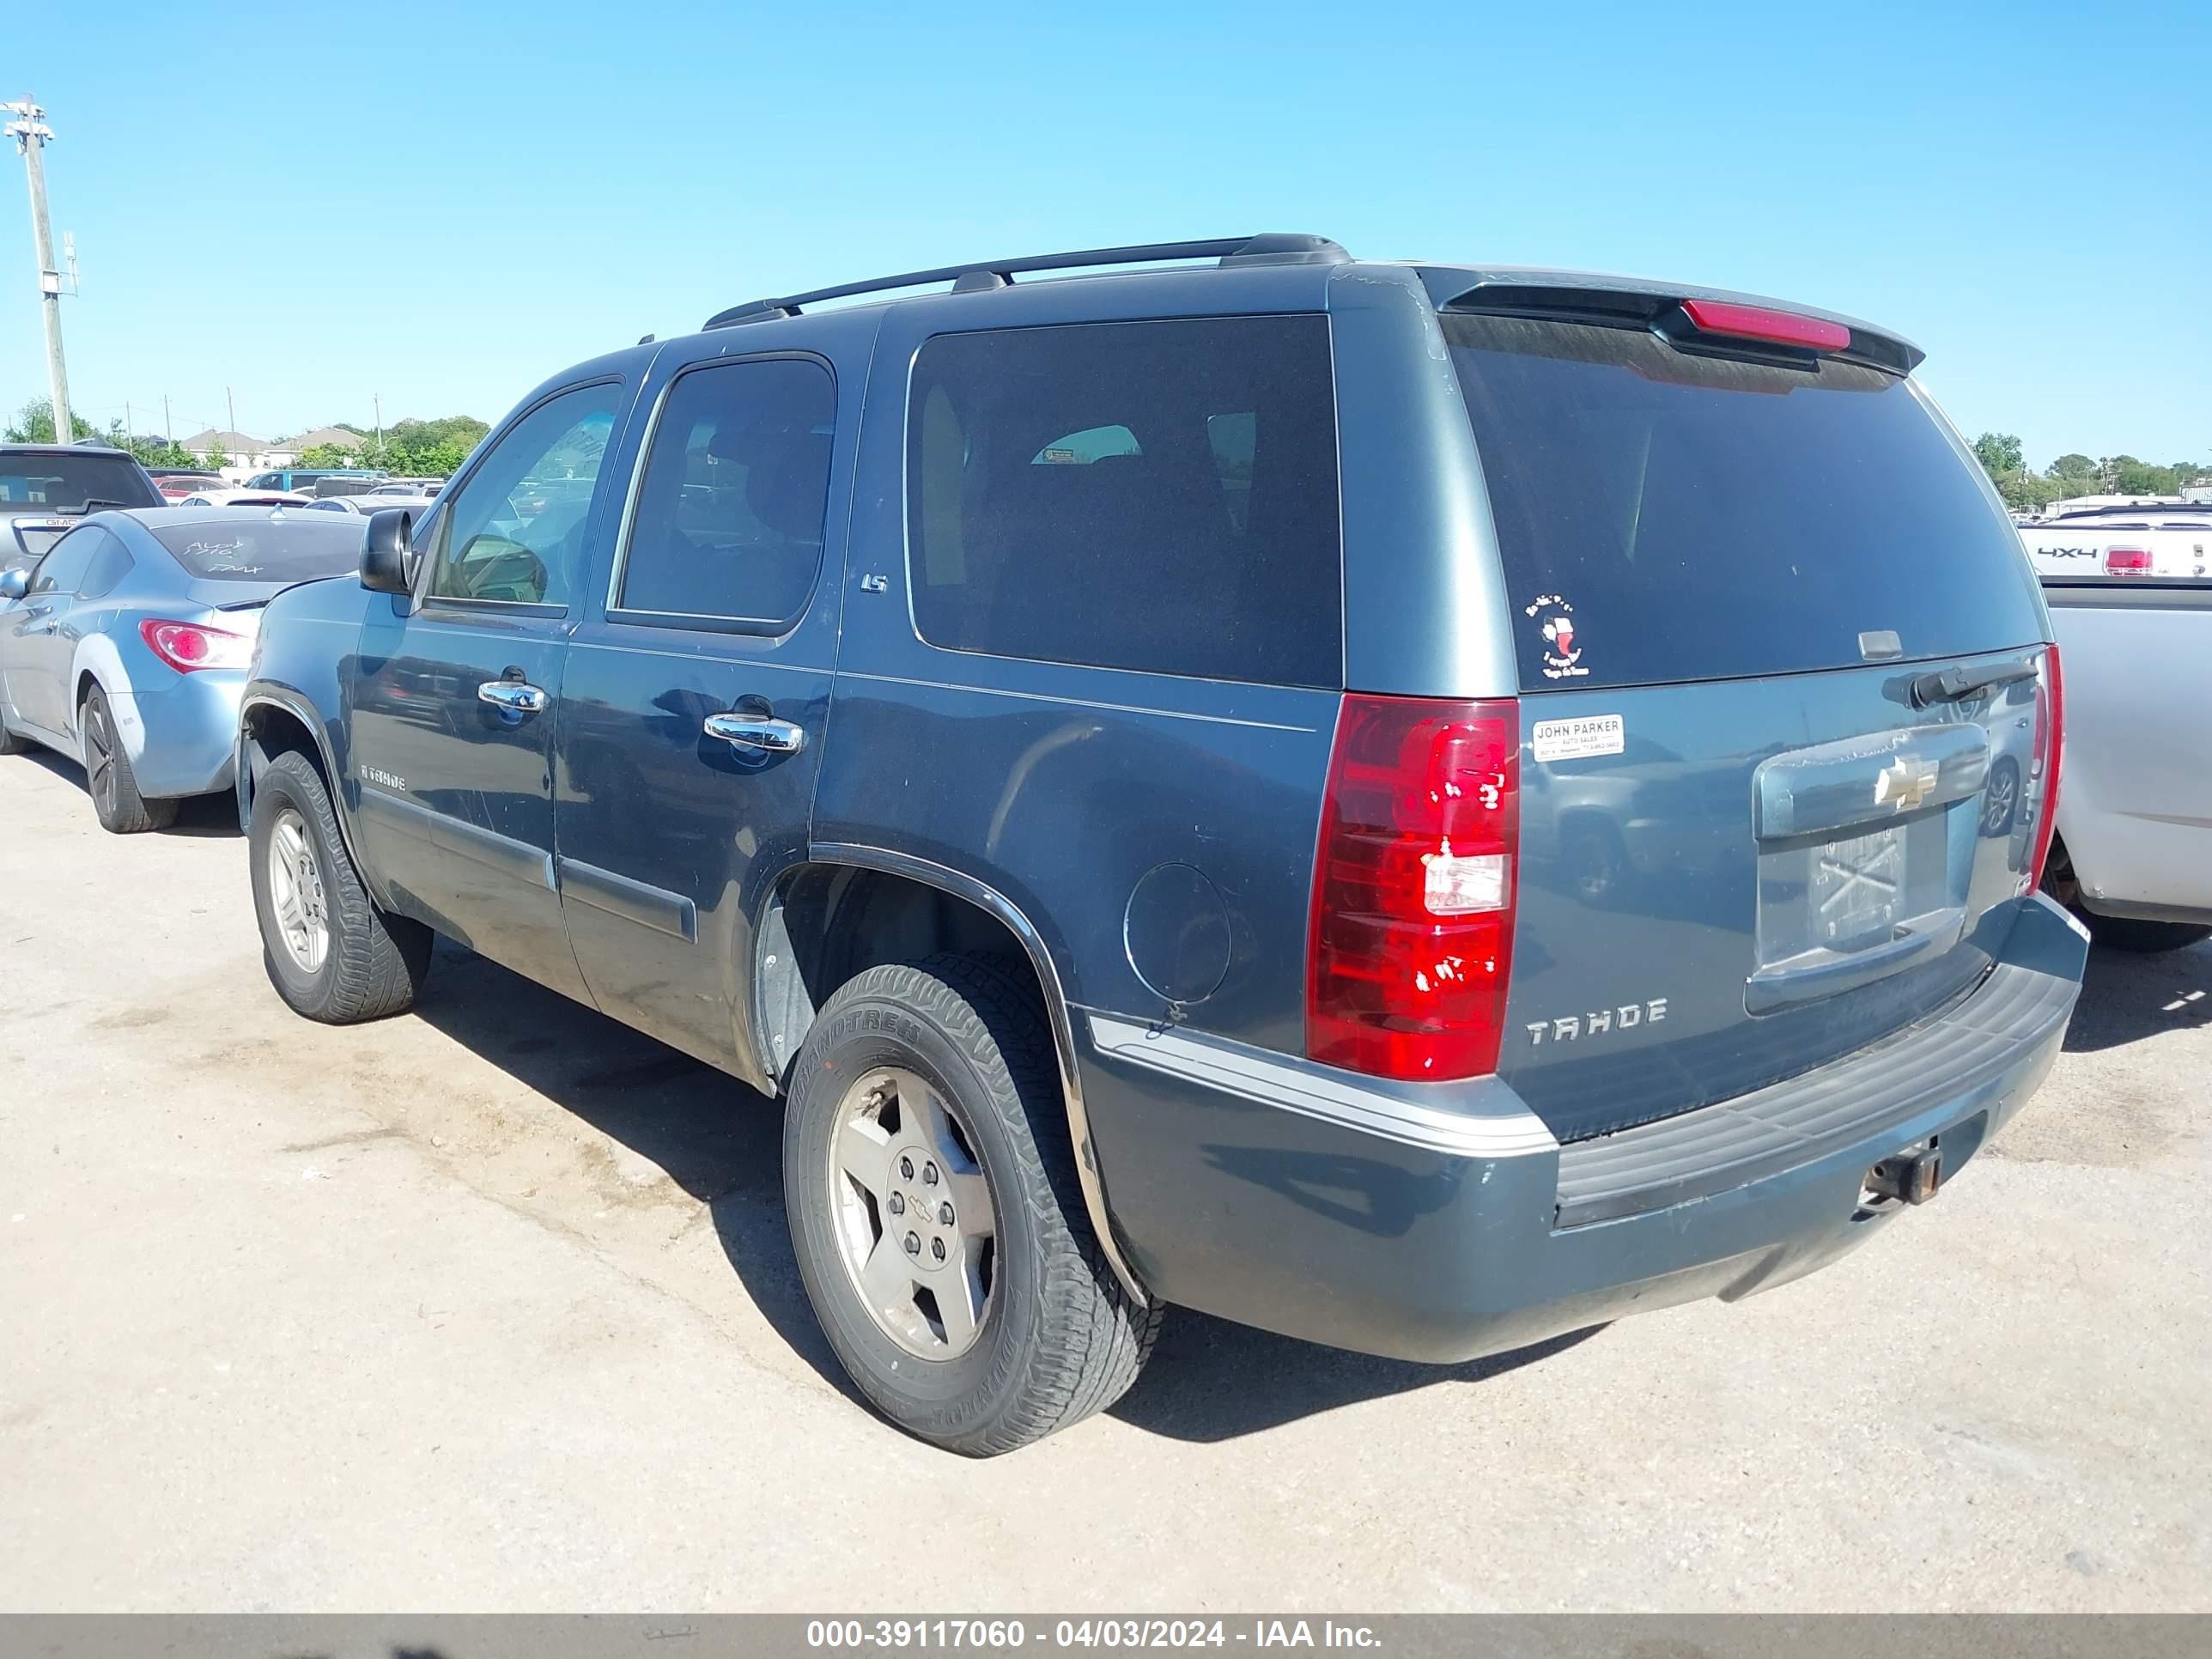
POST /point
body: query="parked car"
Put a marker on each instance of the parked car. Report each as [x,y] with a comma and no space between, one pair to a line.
[373,502]
[175,486]
[305,479]
[2133,857]
[227,497]
[126,646]
[2170,538]
[45,488]
[1137,762]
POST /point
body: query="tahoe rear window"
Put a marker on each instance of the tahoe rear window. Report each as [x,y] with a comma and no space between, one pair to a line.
[1160,496]
[1664,516]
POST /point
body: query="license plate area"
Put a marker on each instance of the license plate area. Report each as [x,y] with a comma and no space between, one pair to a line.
[1837,912]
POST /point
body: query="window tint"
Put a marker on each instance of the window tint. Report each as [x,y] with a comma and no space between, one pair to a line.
[31,481]
[515,530]
[1158,495]
[1665,516]
[110,564]
[730,510]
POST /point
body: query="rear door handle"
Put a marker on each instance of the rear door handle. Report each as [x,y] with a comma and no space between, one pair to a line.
[512,696]
[744,732]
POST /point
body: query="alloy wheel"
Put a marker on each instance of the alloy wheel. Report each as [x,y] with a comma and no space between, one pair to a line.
[295,892]
[912,1214]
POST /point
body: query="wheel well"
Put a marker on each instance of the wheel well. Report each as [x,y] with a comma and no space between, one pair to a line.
[86,680]
[269,731]
[828,922]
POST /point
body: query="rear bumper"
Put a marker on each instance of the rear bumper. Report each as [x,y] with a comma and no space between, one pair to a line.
[187,735]
[1441,1222]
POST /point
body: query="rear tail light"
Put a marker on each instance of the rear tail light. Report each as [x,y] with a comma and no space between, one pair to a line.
[2043,766]
[2127,562]
[188,647]
[1415,888]
[1760,322]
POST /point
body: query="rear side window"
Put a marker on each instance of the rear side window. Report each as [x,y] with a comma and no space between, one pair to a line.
[729,514]
[1158,495]
[1665,516]
[111,563]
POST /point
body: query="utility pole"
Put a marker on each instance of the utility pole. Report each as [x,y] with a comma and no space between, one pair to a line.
[168,431]
[31,134]
[231,404]
[376,402]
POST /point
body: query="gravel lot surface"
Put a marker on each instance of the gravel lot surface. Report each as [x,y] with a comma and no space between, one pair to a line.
[492,1306]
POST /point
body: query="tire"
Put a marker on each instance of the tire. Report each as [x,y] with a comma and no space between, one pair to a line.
[1057,1338]
[122,811]
[2143,937]
[369,964]
[2129,934]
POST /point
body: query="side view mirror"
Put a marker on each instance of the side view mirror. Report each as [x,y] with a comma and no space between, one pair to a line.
[14,584]
[387,553]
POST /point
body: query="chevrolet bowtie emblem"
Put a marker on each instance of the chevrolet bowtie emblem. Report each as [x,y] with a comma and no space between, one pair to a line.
[1904,783]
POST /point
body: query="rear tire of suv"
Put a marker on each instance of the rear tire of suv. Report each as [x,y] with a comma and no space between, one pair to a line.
[331,953]
[936,1214]
[121,810]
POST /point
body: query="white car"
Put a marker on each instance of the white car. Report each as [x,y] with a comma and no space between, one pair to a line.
[367,504]
[247,498]
[2168,538]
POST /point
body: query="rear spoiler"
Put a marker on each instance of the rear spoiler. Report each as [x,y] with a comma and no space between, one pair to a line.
[1665,308]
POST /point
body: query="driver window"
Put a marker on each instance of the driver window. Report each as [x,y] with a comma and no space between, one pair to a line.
[514,534]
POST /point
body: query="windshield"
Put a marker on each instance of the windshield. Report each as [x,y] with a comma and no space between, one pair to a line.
[272,549]
[1664,516]
[63,484]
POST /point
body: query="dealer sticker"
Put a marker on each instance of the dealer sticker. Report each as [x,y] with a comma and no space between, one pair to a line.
[1593,734]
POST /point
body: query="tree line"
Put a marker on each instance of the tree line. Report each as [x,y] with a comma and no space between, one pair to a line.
[2073,474]
[409,448]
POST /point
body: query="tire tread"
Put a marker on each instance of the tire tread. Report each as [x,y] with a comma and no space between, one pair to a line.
[378,961]
[1093,1338]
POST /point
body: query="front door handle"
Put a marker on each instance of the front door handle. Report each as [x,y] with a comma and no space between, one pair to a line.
[744,732]
[512,696]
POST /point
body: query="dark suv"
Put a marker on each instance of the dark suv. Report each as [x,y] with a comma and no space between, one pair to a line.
[1416,806]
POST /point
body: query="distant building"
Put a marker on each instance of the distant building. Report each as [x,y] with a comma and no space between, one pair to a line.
[333,437]
[247,454]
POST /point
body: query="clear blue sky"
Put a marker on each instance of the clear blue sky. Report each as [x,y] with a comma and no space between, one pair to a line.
[443,204]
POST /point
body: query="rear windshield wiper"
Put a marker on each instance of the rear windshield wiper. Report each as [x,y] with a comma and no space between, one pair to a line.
[94,503]
[1957,684]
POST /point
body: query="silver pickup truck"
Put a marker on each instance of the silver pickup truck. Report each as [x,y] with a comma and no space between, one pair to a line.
[2133,856]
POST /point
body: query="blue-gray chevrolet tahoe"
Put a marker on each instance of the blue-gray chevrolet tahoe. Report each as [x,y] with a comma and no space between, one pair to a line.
[1417,806]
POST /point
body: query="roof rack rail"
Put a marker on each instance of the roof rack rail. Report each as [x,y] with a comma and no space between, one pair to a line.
[1273,248]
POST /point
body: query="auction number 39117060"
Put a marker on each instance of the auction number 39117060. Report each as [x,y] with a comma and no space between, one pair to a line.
[1002,1633]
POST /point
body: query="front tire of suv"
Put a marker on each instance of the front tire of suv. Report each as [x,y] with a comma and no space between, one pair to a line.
[331,953]
[936,1214]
